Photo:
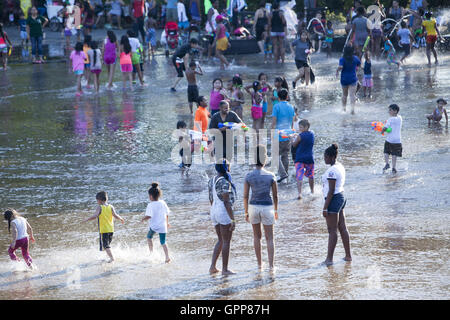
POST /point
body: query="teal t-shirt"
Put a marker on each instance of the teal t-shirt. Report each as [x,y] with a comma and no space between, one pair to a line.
[285,113]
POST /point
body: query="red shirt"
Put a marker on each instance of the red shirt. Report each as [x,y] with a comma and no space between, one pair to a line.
[138,6]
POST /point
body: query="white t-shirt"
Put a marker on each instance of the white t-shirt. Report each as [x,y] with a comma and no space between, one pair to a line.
[157,211]
[335,172]
[135,44]
[21,226]
[181,12]
[396,124]
[404,35]
[98,61]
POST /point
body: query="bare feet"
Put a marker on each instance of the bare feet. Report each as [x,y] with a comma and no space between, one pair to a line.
[347,259]
[227,272]
[327,262]
[168,260]
[299,197]
[213,270]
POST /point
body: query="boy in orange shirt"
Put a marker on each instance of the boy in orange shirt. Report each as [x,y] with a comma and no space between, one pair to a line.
[201,115]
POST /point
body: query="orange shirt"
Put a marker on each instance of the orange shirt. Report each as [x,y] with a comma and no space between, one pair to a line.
[201,116]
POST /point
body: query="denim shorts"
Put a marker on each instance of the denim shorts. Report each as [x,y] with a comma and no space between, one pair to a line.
[162,236]
[337,203]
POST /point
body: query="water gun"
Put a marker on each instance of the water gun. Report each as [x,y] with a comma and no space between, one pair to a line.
[366,44]
[233,126]
[378,126]
[286,133]
[9,51]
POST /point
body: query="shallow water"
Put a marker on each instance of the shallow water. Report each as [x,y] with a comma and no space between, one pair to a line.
[57,152]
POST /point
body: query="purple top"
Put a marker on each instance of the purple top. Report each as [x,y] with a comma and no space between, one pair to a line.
[214,100]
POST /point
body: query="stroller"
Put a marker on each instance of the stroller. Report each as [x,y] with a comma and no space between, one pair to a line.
[171,33]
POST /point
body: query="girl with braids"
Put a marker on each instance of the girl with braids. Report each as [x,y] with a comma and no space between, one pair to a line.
[280,83]
[257,104]
[96,63]
[21,230]
[237,97]
[157,212]
[262,209]
[222,194]
[333,181]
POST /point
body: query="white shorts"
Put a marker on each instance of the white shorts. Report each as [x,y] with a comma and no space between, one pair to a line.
[261,214]
[220,217]
[23,35]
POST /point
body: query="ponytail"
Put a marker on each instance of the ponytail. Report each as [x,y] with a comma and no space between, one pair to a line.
[9,215]
[332,151]
[222,168]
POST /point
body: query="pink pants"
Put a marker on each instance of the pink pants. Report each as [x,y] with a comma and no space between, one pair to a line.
[22,244]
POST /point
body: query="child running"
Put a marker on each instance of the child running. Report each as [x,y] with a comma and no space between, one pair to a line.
[96,64]
[405,40]
[393,144]
[105,215]
[304,159]
[303,49]
[21,234]
[192,89]
[157,212]
[110,49]
[4,47]
[367,80]
[126,65]
[436,116]
[77,57]
[390,51]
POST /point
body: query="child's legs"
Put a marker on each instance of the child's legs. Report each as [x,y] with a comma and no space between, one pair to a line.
[109,252]
[311,184]
[281,48]
[299,172]
[345,237]
[352,91]
[394,161]
[11,253]
[307,71]
[301,73]
[344,95]
[386,158]
[79,82]
[24,247]
[112,69]
[257,242]
[217,248]
[268,233]
[150,245]
[97,81]
[139,71]
[332,222]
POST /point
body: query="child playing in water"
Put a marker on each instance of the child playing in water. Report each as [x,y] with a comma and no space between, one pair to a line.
[217,95]
[393,144]
[87,65]
[436,116]
[329,35]
[304,159]
[77,57]
[21,231]
[135,56]
[237,96]
[192,89]
[150,36]
[257,104]
[96,64]
[23,30]
[268,57]
[390,50]
[184,141]
[110,49]
[3,46]
[265,89]
[157,212]
[367,80]
[303,49]
[280,83]
[105,214]
[405,40]
[126,65]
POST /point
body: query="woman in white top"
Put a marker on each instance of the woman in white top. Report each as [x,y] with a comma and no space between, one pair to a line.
[333,181]
[20,232]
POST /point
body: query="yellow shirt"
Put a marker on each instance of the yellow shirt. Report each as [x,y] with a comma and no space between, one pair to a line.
[105,219]
[430,27]
[85,50]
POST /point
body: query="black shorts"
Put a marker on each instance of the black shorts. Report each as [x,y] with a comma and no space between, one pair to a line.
[301,64]
[259,32]
[106,240]
[394,149]
[406,49]
[179,67]
[192,92]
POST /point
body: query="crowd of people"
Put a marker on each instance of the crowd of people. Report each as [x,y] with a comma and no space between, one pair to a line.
[224,113]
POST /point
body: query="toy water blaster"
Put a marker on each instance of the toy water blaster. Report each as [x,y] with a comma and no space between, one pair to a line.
[233,126]
[366,44]
[378,126]
[286,133]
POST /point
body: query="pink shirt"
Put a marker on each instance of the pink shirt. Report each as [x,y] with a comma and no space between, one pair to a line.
[78,60]
[214,100]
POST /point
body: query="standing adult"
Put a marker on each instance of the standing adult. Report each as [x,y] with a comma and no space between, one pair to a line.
[277,27]
[180,59]
[211,25]
[333,181]
[348,65]
[116,10]
[396,12]
[35,24]
[194,9]
[171,11]
[283,119]
[138,9]
[225,115]
[415,5]
[262,209]
[222,194]
[377,30]
[360,31]
[260,21]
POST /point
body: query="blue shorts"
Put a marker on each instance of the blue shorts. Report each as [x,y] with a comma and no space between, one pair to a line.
[162,236]
[264,107]
[78,72]
[337,203]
